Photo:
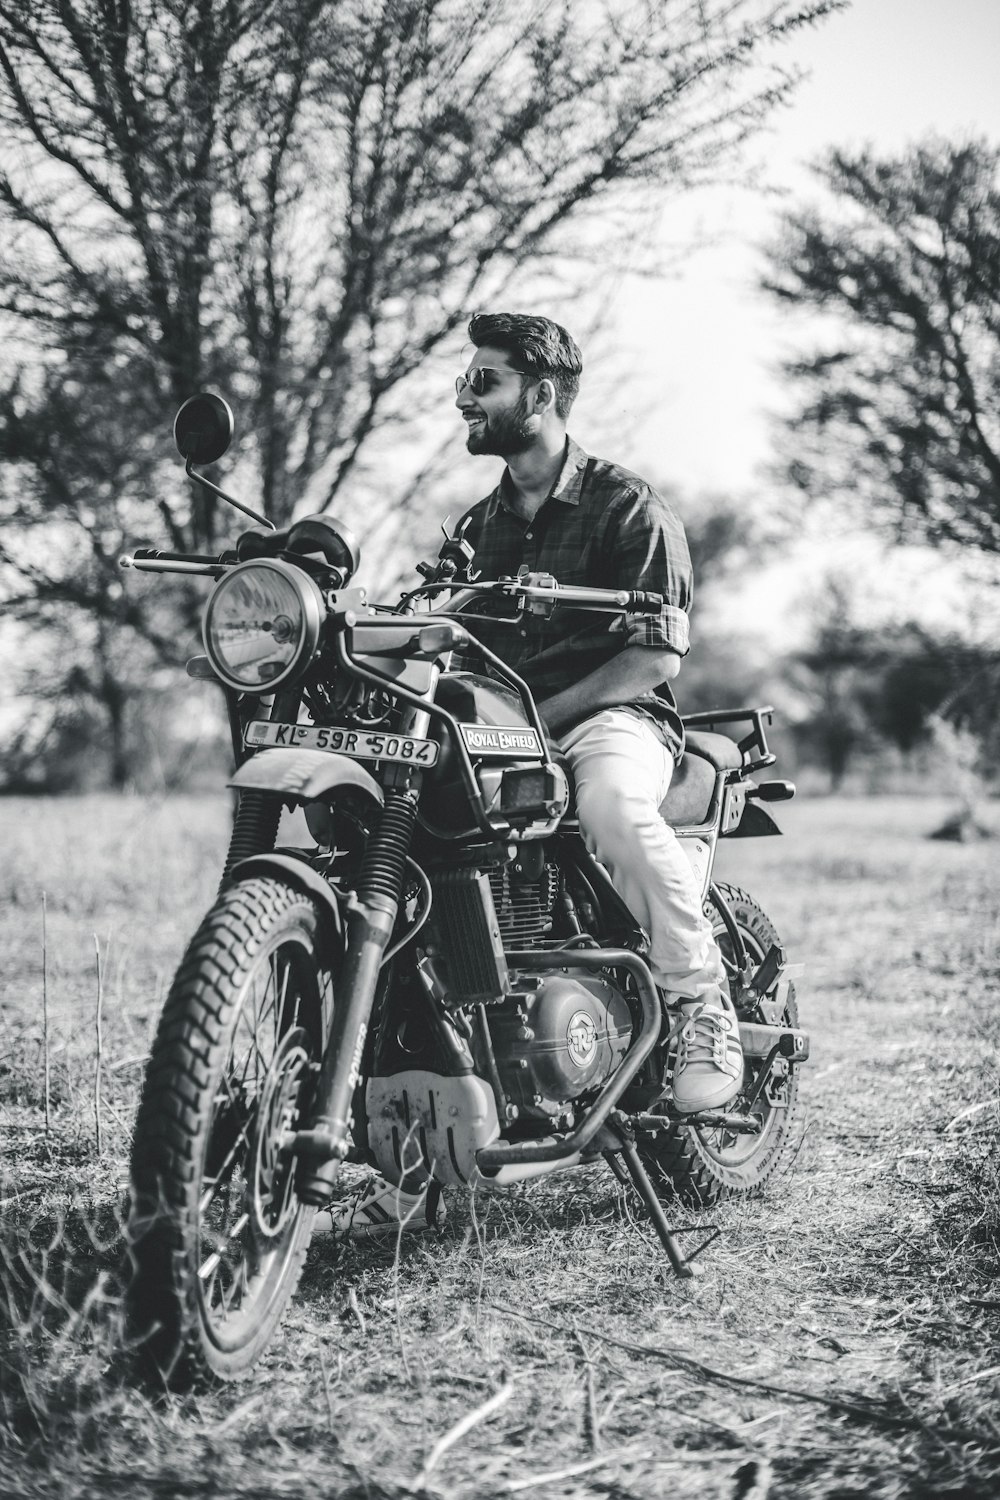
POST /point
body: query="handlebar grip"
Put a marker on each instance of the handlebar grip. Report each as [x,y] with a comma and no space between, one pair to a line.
[158,554]
[642,603]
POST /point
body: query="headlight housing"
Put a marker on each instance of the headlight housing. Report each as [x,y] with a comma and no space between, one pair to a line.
[262,625]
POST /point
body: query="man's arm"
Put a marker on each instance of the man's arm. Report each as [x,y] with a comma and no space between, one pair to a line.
[634,671]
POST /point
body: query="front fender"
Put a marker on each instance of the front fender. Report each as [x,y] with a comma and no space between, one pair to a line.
[298,873]
[299,775]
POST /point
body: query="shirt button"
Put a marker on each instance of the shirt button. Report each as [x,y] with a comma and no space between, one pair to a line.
[528,535]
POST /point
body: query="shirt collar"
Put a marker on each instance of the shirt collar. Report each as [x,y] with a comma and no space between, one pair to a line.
[568,485]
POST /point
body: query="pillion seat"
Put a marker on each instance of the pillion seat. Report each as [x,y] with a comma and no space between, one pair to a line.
[690,795]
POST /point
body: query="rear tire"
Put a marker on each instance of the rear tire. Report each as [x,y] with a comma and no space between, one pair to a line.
[699,1166]
[217,1233]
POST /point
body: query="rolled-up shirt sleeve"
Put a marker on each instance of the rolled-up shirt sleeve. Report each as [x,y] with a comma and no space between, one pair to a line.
[650,552]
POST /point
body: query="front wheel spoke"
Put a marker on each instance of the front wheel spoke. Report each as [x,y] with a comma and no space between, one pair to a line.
[238,1286]
[285,975]
[222,1245]
[220,1180]
[254,1050]
[227,1084]
[290,1022]
[210,1266]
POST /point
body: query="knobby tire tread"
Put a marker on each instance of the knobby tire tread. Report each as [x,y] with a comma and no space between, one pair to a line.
[675,1164]
[172,1122]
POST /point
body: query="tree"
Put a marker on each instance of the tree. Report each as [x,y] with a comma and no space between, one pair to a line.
[901,403]
[866,686]
[300,201]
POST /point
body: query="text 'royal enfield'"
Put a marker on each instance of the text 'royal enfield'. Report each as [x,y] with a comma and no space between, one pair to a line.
[446,984]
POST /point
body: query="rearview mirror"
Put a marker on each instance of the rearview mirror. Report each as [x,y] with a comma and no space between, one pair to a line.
[203,428]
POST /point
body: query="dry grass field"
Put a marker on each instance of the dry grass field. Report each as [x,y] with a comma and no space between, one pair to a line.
[841,1339]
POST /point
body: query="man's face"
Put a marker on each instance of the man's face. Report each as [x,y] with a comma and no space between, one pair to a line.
[498,420]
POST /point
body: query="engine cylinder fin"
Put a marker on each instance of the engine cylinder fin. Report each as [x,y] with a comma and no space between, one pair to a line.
[524,908]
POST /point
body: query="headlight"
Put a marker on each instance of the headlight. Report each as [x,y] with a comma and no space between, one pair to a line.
[262,625]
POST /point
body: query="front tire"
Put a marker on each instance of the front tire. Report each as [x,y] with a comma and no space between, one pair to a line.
[698,1165]
[217,1232]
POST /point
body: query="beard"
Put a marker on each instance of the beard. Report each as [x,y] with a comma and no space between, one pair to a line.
[504,435]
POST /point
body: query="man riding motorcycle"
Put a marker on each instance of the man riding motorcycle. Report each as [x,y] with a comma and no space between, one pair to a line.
[603,693]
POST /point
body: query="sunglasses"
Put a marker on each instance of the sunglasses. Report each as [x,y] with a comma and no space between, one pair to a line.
[482,378]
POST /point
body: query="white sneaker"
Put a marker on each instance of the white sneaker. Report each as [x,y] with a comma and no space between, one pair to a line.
[380,1208]
[709,1067]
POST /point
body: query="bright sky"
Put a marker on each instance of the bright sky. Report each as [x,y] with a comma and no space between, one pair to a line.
[884,72]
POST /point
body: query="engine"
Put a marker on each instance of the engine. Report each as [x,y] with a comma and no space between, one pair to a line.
[524,899]
[557,1037]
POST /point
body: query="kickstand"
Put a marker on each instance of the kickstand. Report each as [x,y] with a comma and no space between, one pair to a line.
[636,1173]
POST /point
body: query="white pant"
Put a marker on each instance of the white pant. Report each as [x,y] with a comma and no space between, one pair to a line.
[622,770]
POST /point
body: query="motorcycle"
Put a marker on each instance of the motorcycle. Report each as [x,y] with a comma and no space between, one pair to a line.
[446,985]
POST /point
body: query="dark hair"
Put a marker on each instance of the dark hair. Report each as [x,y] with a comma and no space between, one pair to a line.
[537,346]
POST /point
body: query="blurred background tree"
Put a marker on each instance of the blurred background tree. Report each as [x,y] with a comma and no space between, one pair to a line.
[861,689]
[298,202]
[729,538]
[895,422]
[898,407]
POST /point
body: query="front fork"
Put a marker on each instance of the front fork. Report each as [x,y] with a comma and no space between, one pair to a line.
[255,826]
[371,917]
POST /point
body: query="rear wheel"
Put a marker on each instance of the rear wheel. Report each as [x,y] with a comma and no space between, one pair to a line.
[700,1165]
[218,1233]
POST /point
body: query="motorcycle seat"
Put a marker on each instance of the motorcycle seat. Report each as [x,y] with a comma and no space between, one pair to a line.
[693,782]
[718,749]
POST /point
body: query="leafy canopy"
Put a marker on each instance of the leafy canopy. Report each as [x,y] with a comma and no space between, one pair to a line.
[900,398]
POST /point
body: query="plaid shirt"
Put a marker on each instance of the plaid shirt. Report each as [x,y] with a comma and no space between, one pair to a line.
[604,528]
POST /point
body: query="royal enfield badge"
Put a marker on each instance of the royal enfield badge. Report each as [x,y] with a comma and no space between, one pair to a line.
[515,740]
[581,1038]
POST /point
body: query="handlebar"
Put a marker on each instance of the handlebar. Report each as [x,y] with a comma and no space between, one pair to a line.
[632,601]
[547,591]
[617,601]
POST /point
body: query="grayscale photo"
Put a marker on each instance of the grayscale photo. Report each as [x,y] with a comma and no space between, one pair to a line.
[499,729]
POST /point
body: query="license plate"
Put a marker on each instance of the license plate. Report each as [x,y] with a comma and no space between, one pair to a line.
[360,744]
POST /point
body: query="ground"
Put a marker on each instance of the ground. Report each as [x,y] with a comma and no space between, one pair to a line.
[839,1341]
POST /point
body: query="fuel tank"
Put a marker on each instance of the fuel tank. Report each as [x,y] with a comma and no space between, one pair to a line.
[483,702]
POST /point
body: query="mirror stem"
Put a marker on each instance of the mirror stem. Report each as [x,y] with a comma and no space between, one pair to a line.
[214,488]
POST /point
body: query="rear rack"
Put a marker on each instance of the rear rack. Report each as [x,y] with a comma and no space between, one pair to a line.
[755,740]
